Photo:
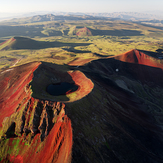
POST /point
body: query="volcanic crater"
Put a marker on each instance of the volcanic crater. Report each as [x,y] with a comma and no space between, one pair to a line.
[56,83]
[29,114]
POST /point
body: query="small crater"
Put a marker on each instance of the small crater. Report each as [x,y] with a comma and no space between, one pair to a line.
[61,88]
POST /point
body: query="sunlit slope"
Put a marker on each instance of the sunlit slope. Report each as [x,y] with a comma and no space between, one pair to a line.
[138,57]
[17,43]
[5,45]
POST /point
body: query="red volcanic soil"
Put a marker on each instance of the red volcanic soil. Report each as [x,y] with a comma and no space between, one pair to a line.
[80,61]
[13,84]
[55,148]
[38,130]
[141,66]
[83,32]
[85,85]
[3,42]
[59,143]
[135,56]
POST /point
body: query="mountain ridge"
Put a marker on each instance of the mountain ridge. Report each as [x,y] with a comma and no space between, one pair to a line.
[61,16]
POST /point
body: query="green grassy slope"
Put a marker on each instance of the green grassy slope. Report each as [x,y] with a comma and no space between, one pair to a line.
[56,41]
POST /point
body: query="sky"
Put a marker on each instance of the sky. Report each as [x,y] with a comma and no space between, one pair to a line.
[97,6]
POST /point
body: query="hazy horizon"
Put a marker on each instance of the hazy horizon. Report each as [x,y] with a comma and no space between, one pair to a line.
[86,6]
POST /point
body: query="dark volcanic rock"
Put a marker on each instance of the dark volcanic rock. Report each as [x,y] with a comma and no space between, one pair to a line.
[121,119]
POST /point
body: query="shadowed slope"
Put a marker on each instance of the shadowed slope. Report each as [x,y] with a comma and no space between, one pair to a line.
[121,119]
[122,32]
[28,43]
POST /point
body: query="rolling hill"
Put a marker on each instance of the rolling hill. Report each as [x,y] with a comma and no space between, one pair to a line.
[80,31]
[17,43]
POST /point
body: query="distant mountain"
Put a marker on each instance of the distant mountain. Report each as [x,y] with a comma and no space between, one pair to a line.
[8,16]
[155,12]
[129,15]
[49,17]
[62,16]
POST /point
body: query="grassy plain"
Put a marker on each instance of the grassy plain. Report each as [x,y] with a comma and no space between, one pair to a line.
[56,42]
